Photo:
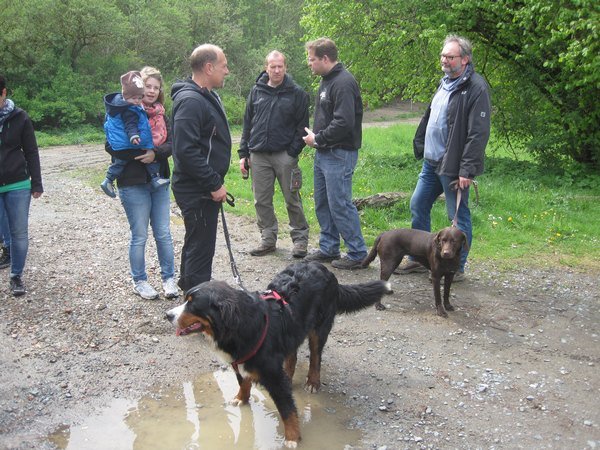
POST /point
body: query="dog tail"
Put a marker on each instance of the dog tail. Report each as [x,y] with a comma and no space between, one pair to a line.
[372,254]
[355,297]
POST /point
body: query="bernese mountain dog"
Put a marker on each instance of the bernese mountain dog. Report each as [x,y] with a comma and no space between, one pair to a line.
[260,332]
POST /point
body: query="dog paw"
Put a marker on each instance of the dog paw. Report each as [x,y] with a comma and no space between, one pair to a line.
[442,313]
[449,307]
[236,402]
[290,444]
[312,388]
[380,307]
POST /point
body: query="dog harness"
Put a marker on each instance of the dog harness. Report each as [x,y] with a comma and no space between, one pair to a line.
[267,295]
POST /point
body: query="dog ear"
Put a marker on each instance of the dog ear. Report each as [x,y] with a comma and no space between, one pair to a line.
[436,240]
[465,245]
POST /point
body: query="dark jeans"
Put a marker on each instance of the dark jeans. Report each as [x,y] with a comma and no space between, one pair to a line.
[200,219]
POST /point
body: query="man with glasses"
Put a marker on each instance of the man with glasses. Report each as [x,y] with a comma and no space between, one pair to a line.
[451,140]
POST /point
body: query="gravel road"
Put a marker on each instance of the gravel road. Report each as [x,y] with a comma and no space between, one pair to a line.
[515,366]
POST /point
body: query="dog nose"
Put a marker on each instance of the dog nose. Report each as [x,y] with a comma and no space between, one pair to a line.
[169,316]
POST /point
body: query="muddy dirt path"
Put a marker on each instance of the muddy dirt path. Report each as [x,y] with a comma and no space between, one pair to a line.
[515,366]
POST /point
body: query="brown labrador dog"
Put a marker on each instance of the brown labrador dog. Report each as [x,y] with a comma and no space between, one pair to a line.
[439,252]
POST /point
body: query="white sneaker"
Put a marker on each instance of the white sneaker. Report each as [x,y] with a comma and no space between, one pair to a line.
[144,290]
[170,288]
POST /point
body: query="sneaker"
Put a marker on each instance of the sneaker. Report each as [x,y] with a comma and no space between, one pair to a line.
[170,288]
[158,182]
[411,267]
[347,263]
[262,250]
[4,258]
[144,290]
[16,286]
[299,250]
[108,188]
[321,257]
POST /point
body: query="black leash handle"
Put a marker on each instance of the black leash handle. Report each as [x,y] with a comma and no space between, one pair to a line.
[234,270]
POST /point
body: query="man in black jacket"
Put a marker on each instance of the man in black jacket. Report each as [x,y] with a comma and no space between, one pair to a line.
[201,155]
[337,136]
[451,139]
[274,122]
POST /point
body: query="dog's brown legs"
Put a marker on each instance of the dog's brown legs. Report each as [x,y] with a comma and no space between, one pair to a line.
[291,431]
[289,365]
[243,395]
[447,283]
[313,379]
[438,298]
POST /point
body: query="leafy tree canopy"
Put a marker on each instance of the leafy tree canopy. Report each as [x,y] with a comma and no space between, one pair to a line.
[541,58]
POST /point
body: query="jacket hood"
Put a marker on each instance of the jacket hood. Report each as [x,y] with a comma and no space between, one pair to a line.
[115,100]
[186,85]
[263,80]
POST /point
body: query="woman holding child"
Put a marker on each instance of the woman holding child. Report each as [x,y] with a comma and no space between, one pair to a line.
[147,204]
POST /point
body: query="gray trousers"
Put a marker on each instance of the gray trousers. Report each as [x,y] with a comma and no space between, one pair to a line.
[266,167]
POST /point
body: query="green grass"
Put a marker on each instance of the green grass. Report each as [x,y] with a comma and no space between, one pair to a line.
[85,134]
[527,213]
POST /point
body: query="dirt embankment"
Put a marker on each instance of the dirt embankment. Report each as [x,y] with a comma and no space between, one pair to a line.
[515,366]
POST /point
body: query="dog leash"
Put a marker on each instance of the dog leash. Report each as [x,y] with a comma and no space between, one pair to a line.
[458,190]
[234,269]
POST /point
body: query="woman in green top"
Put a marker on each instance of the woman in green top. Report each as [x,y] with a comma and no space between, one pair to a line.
[20,179]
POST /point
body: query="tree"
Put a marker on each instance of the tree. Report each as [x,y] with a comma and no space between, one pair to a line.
[541,58]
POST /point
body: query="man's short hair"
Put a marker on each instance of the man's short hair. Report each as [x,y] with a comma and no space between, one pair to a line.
[275,53]
[323,47]
[202,55]
[466,49]
[2,83]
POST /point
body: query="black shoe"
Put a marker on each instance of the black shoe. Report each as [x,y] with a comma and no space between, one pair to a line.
[4,258]
[321,257]
[16,286]
[347,263]
[262,250]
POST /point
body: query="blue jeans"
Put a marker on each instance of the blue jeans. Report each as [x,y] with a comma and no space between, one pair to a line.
[4,229]
[429,186]
[335,211]
[15,205]
[144,205]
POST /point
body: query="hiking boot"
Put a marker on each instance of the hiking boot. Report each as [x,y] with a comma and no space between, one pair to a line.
[16,286]
[170,288]
[299,250]
[321,257]
[458,277]
[4,258]
[411,267]
[158,182]
[108,188]
[144,290]
[347,264]
[262,250]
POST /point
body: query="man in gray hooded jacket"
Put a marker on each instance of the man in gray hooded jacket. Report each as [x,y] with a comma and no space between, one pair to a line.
[451,139]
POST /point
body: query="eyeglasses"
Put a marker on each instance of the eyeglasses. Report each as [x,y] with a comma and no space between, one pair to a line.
[449,57]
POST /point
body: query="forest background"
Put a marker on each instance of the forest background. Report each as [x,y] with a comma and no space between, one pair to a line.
[540,57]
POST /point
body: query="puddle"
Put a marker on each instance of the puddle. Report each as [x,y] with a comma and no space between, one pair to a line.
[197,415]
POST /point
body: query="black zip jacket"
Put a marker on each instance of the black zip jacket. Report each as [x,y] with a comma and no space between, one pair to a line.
[201,141]
[275,118]
[338,111]
[135,171]
[468,128]
[19,155]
